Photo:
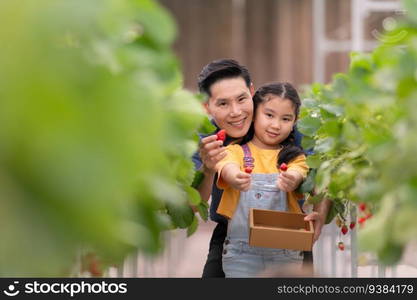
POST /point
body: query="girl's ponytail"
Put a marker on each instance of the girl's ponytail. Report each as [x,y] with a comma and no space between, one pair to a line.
[290,150]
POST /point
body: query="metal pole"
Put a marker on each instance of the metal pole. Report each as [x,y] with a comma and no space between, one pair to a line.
[319,35]
[358,14]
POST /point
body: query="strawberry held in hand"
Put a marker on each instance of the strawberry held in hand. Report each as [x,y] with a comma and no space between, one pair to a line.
[248,170]
[221,135]
[283,167]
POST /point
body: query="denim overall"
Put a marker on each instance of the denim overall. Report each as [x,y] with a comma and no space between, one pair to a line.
[240,259]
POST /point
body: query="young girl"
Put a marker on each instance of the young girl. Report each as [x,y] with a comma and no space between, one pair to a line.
[268,144]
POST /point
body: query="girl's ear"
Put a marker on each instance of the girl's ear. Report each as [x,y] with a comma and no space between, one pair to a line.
[252,89]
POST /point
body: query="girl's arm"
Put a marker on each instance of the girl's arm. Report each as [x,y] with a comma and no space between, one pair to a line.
[232,175]
[289,181]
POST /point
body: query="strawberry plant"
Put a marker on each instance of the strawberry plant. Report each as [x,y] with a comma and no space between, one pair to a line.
[96,134]
[363,129]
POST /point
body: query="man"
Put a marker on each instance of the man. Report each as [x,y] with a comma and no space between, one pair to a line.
[229,92]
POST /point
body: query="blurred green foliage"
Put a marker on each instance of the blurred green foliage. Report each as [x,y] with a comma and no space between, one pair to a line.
[363,128]
[96,133]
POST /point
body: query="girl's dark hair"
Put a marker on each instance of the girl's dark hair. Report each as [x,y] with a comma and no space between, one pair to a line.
[284,90]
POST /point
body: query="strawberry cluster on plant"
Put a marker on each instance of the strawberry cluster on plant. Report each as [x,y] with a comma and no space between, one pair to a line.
[362,129]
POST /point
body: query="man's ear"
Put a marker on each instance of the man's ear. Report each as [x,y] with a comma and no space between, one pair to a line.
[252,89]
[206,107]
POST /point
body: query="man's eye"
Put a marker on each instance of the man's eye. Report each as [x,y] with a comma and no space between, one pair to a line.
[242,99]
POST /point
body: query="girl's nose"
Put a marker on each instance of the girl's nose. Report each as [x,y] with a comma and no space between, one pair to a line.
[276,124]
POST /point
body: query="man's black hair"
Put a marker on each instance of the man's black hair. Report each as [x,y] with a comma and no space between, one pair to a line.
[221,69]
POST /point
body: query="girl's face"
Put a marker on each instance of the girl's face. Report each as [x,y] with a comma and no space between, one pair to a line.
[273,122]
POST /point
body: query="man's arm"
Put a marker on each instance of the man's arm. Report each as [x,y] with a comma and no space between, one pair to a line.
[211,152]
[318,216]
[206,184]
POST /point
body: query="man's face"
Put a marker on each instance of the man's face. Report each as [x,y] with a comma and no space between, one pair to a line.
[231,106]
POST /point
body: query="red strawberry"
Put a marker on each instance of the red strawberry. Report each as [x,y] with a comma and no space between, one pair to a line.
[221,135]
[361,220]
[362,206]
[352,225]
[344,229]
[341,246]
[283,167]
[93,265]
[248,170]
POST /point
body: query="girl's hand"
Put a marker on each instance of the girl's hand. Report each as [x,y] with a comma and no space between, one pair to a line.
[211,152]
[289,181]
[241,181]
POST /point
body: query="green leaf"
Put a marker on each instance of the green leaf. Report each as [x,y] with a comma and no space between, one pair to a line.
[333,109]
[315,199]
[193,195]
[324,145]
[308,184]
[203,210]
[313,161]
[411,7]
[390,254]
[308,142]
[331,214]
[193,227]
[151,13]
[336,208]
[309,103]
[198,179]
[181,215]
[206,127]
[308,126]
[330,128]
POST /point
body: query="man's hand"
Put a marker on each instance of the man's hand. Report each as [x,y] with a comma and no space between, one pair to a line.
[211,152]
[318,216]
[318,222]
[289,181]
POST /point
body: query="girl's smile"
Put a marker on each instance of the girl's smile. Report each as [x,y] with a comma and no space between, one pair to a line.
[274,120]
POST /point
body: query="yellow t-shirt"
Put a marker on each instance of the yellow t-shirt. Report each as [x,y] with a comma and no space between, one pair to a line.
[265,163]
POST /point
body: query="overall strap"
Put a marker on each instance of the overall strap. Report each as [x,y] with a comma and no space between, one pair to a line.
[248,160]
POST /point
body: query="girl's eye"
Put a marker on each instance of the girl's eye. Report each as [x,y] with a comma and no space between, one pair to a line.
[269,115]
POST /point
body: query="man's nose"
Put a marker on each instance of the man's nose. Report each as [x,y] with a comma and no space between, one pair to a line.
[235,110]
